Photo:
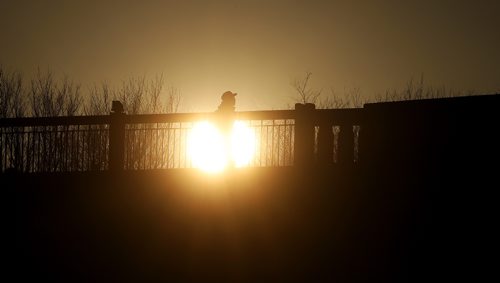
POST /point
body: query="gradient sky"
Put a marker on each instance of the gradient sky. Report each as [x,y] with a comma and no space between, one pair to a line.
[256,48]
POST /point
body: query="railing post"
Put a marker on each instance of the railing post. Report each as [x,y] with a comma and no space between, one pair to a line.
[117,137]
[345,148]
[325,144]
[304,134]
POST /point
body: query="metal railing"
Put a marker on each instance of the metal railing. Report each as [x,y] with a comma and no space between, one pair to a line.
[303,136]
[54,144]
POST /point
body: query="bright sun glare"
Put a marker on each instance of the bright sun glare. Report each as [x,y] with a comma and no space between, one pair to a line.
[212,151]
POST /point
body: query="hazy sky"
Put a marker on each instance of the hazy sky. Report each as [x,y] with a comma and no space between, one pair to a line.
[256,48]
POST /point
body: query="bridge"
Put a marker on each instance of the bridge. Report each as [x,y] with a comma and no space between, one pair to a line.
[391,192]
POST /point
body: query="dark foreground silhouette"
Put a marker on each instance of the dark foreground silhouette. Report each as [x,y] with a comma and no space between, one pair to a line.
[419,206]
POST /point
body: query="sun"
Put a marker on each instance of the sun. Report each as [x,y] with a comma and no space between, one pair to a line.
[212,151]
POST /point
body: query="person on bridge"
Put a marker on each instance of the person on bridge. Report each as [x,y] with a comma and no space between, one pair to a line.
[225,121]
[226,111]
[228,102]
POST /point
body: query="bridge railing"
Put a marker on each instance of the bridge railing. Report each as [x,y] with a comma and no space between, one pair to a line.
[301,137]
[54,144]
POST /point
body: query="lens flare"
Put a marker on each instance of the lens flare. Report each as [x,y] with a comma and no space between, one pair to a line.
[212,151]
[242,144]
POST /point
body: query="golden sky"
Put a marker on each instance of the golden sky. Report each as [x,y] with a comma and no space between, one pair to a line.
[256,48]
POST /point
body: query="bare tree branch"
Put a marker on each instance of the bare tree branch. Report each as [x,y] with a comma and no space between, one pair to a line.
[12,98]
[305,93]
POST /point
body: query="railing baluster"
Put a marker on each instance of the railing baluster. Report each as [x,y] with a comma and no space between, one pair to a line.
[325,144]
[346,145]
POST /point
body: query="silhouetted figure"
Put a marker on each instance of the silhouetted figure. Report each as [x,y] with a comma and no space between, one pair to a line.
[226,111]
[228,102]
[225,120]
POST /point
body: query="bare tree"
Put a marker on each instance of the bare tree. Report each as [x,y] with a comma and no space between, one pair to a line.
[42,95]
[12,102]
[350,98]
[304,92]
[68,95]
[174,99]
[131,94]
[417,90]
[138,95]
[99,100]
[50,99]
[153,91]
